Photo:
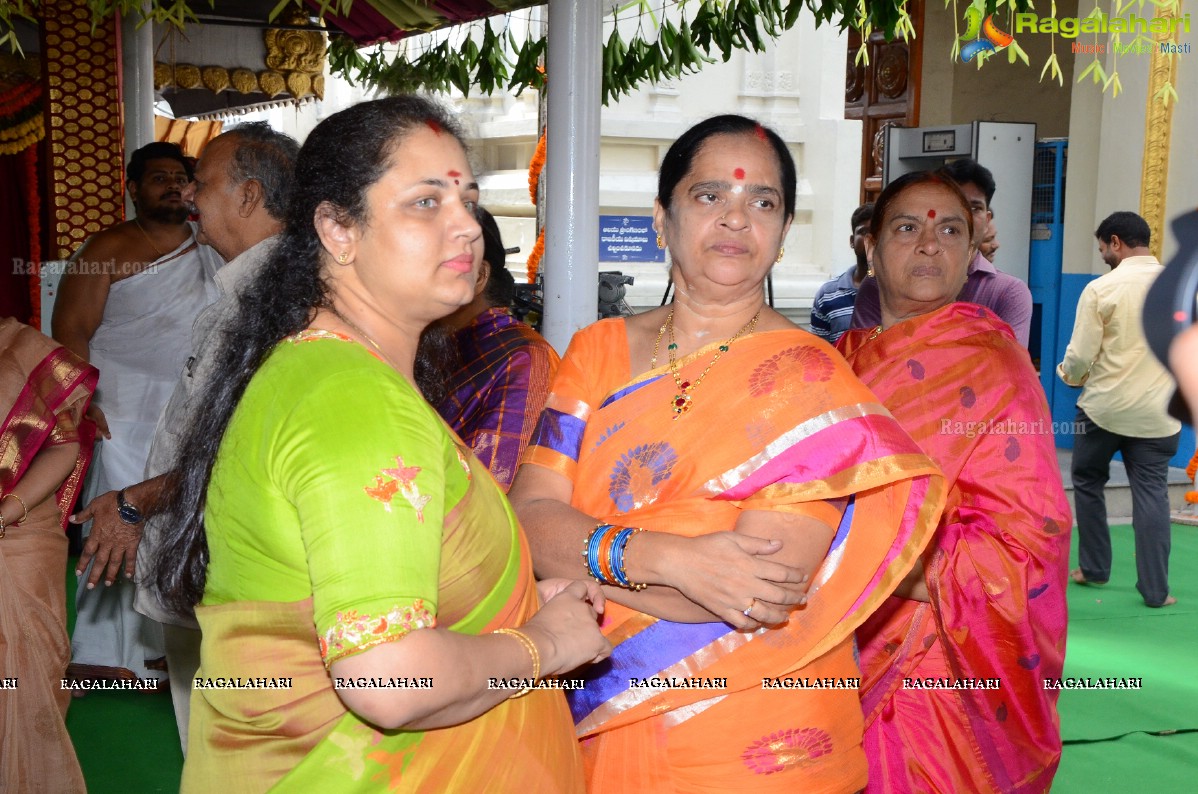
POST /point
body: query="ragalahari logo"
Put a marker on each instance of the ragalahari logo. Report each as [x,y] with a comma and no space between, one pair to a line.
[981,35]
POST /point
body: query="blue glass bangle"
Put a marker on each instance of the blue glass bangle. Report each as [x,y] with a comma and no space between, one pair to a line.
[631,585]
[594,541]
[617,556]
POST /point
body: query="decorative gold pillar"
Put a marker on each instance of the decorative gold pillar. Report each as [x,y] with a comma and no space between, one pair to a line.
[84,123]
[1158,129]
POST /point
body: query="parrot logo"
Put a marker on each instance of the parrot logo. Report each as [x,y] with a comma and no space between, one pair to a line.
[981,35]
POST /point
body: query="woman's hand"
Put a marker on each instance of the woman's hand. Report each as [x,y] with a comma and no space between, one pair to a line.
[914,585]
[566,629]
[96,415]
[548,588]
[726,573]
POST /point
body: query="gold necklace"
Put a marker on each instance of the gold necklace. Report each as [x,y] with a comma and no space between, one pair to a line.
[149,239]
[364,335]
[681,402]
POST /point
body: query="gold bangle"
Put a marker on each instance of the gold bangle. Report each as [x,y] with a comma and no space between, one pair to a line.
[529,646]
[23,507]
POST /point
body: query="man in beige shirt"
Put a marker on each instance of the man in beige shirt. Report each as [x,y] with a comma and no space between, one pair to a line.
[1122,408]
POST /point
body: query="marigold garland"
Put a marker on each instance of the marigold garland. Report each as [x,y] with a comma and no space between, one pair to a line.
[21,123]
[1191,471]
[534,258]
[535,167]
[19,97]
[18,139]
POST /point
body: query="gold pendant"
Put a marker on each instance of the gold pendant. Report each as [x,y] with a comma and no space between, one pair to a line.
[681,404]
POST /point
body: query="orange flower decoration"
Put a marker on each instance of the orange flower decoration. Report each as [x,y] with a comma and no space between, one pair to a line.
[534,258]
[534,181]
[534,169]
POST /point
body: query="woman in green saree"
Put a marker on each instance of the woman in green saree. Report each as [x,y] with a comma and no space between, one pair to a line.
[366,597]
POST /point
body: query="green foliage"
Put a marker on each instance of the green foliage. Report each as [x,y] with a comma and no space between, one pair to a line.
[663,49]
[171,12]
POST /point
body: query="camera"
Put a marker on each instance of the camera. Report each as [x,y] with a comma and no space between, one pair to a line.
[1170,306]
[529,302]
[611,294]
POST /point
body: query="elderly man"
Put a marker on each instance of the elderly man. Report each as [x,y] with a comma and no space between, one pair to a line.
[241,191]
[126,305]
[1122,408]
[495,398]
[1000,292]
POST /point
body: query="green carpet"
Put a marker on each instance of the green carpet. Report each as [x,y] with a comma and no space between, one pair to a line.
[1112,737]
[1112,634]
[1137,763]
[127,741]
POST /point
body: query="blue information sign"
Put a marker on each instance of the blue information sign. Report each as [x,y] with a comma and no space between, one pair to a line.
[628,238]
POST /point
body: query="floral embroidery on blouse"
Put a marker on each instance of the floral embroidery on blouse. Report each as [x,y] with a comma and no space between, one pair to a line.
[311,334]
[352,632]
[402,481]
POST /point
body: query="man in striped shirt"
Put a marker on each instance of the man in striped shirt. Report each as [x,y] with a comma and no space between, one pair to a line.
[832,311]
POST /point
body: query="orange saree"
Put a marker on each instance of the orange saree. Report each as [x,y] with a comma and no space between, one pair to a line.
[965,390]
[780,424]
[44,390]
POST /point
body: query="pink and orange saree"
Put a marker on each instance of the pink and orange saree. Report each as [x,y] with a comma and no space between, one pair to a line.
[44,390]
[965,390]
[779,424]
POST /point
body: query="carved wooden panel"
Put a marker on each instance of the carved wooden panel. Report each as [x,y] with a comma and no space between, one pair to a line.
[883,93]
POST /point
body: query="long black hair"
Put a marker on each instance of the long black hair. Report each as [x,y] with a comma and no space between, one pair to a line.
[343,157]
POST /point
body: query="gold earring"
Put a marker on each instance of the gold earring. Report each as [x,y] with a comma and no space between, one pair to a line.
[343,257]
[870,271]
[781,252]
[661,244]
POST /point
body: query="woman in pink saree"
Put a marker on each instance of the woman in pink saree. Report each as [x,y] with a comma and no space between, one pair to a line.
[44,451]
[954,664]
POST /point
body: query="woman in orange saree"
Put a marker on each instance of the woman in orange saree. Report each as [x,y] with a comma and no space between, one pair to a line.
[44,390]
[780,461]
[954,668]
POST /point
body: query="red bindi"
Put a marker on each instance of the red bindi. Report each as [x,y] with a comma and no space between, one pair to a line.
[932,214]
[454,174]
[739,173]
[433,125]
[760,132]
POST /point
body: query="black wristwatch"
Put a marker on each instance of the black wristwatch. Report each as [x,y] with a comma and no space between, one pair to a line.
[125,511]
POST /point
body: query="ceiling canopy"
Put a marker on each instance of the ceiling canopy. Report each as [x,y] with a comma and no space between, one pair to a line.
[374,21]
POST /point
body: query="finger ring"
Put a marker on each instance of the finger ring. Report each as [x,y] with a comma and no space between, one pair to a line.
[749,608]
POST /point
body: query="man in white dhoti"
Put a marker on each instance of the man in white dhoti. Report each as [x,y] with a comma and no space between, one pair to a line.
[241,189]
[126,304]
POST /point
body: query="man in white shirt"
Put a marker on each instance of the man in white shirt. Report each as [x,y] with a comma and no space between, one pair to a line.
[241,189]
[1122,408]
